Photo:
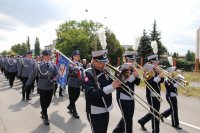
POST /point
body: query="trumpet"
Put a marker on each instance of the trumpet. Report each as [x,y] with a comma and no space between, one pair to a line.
[131,93]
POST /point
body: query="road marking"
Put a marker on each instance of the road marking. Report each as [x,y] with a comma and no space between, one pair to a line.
[190,125]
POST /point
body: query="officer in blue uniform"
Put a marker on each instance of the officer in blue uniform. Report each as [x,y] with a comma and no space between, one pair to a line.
[74,83]
[98,88]
[11,67]
[154,81]
[171,96]
[5,64]
[125,101]
[2,64]
[25,69]
[47,73]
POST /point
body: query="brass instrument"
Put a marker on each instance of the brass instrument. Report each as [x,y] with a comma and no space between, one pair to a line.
[145,78]
[149,75]
[131,92]
[179,79]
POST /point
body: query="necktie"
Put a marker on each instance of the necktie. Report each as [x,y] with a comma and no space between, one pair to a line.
[47,65]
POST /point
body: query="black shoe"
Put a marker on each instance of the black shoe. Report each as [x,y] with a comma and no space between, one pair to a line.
[23,98]
[11,86]
[75,115]
[28,98]
[61,95]
[70,109]
[178,127]
[142,125]
[46,121]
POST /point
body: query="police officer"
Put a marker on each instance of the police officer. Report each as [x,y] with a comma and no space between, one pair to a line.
[2,64]
[11,67]
[125,101]
[152,99]
[25,69]
[98,88]
[38,60]
[47,73]
[5,64]
[171,96]
[19,63]
[74,83]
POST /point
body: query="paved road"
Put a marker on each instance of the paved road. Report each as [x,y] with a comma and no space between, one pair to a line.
[18,116]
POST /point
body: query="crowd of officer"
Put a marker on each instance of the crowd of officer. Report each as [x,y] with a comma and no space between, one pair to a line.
[98,87]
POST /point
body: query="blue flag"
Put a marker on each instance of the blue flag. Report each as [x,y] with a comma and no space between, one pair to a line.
[62,64]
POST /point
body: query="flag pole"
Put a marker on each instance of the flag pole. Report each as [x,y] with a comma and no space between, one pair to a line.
[65,57]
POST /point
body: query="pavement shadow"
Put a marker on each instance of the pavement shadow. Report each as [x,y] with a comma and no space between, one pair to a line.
[36,104]
[34,94]
[41,129]
[145,131]
[175,130]
[56,100]
[73,125]
[18,106]
[5,88]
[182,131]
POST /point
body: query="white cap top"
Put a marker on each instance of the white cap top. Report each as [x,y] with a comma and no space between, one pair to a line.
[99,52]
[148,67]
[171,69]
[153,57]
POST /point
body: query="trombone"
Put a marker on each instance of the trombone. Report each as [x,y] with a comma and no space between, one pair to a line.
[146,82]
[183,83]
[131,92]
[179,79]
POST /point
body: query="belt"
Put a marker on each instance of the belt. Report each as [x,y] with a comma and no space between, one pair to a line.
[43,77]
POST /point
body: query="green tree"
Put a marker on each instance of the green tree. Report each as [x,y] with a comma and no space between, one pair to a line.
[130,49]
[190,56]
[11,53]
[19,49]
[37,46]
[83,35]
[155,35]
[144,48]
[28,44]
[16,48]
[115,50]
[175,55]
[73,35]
[4,53]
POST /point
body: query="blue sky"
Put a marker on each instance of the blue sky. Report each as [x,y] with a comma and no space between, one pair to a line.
[177,20]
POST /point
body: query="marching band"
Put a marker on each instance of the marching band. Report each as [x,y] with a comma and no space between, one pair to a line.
[98,87]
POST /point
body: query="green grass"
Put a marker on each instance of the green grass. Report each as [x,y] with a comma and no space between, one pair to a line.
[192,76]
